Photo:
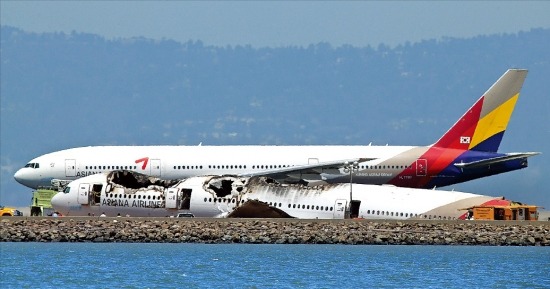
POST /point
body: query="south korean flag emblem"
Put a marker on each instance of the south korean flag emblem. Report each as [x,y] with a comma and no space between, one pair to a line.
[465,139]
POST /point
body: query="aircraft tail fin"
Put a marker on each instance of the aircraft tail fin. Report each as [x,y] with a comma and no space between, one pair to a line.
[482,127]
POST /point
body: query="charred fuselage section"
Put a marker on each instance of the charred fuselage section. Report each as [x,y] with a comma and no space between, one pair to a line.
[233,196]
[257,209]
[133,180]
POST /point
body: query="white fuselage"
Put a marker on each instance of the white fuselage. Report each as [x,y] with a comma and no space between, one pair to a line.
[176,162]
[467,151]
[194,195]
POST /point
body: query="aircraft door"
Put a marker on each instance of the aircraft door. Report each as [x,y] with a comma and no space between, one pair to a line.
[185,198]
[340,209]
[155,168]
[421,167]
[355,208]
[70,168]
[83,194]
[313,161]
[172,198]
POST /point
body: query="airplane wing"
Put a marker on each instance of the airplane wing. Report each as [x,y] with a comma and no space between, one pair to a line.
[306,172]
[496,160]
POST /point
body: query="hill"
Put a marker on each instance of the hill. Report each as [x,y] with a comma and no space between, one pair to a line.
[63,90]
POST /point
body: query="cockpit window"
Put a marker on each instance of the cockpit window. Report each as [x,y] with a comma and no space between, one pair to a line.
[67,190]
[32,165]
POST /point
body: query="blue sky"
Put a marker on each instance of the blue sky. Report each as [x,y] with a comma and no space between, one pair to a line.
[279,23]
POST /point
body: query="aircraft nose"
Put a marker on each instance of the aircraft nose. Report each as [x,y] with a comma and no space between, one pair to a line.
[20,177]
[58,201]
[27,177]
[64,203]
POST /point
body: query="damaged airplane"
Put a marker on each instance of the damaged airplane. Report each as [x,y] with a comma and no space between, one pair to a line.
[129,193]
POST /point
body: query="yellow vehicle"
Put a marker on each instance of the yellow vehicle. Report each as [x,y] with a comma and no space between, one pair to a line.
[9,212]
[514,212]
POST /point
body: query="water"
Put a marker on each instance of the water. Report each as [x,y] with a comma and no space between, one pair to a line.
[123,265]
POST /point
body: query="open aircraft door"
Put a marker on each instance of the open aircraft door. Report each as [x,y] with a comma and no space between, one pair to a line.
[70,168]
[340,209]
[172,198]
[83,194]
[155,168]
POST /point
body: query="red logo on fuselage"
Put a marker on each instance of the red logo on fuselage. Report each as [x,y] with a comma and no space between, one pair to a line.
[144,160]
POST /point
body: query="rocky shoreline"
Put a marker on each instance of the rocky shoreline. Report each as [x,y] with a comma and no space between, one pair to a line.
[274,231]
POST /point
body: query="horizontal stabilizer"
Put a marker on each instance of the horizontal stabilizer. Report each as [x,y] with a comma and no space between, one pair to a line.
[496,160]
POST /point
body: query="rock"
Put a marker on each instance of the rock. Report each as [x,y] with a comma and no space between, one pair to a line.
[273,231]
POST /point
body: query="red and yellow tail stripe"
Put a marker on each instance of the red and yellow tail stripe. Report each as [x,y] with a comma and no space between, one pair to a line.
[482,127]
